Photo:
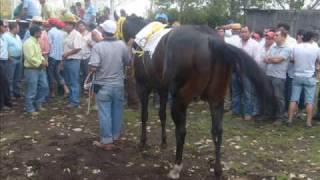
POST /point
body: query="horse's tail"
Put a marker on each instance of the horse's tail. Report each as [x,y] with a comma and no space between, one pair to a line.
[245,66]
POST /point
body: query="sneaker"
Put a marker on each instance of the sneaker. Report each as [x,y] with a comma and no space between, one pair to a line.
[277,123]
[41,108]
[289,124]
[35,113]
[73,106]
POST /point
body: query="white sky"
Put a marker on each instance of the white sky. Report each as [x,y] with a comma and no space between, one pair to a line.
[139,7]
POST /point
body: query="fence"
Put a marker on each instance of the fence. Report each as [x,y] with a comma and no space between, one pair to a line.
[302,19]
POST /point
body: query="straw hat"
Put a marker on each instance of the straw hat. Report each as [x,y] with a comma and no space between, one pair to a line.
[37,19]
[69,18]
[234,26]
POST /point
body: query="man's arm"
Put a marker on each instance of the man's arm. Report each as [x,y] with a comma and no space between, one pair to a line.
[275,59]
[126,56]
[94,61]
[70,53]
[30,55]
[279,58]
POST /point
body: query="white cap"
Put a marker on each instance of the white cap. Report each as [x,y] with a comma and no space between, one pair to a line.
[109,26]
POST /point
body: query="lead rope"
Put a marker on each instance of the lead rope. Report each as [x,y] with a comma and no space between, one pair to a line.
[90,89]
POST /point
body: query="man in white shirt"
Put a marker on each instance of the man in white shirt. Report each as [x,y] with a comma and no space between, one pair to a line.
[305,56]
[265,48]
[250,106]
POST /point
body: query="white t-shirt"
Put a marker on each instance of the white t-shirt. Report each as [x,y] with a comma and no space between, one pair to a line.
[305,56]
[234,40]
[73,41]
[252,48]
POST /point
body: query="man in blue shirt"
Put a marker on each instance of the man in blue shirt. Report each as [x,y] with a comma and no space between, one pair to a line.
[14,67]
[29,9]
[90,13]
[4,90]
[56,40]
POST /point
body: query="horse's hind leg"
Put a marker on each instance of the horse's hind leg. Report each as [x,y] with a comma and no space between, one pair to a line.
[178,113]
[216,131]
[162,115]
[143,93]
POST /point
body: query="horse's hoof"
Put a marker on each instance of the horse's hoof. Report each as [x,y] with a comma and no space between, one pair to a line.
[175,172]
[218,172]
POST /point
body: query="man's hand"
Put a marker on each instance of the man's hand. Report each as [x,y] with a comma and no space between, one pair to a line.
[61,66]
[93,69]
[10,61]
[44,63]
[64,56]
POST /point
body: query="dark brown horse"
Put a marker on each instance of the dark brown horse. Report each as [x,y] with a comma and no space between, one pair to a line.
[148,76]
[191,61]
[199,64]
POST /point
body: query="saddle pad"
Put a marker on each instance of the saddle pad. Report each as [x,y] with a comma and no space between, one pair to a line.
[154,40]
[148,37]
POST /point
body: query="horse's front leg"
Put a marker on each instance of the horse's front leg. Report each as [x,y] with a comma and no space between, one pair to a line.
[178,113]
[216,131]
[162,115]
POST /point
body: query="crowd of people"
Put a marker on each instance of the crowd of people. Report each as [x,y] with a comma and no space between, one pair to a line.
[54,55]
[58,51]
[291,65]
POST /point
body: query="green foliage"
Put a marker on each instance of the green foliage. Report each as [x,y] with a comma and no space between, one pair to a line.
[212,15]
[216,12]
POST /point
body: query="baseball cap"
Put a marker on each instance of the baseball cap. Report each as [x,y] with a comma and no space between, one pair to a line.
[269,34]
[109,26]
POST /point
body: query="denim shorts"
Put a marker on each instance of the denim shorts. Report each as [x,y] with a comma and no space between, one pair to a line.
[309,85]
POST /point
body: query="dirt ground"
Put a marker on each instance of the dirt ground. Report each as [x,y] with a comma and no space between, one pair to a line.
[57,145]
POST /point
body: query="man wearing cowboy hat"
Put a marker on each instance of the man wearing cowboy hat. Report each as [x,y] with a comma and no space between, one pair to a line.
[108,59]
[71,60]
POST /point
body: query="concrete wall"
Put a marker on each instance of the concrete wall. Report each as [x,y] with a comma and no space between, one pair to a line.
[305,19]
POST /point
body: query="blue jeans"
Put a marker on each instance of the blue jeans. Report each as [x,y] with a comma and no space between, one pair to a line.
[306,86]
[37,88]
[242,97]
[14,73]
[110,101]
[72,77]
[4,66]
[54,73]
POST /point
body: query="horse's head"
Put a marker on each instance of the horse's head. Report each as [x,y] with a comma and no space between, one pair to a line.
[132,25]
